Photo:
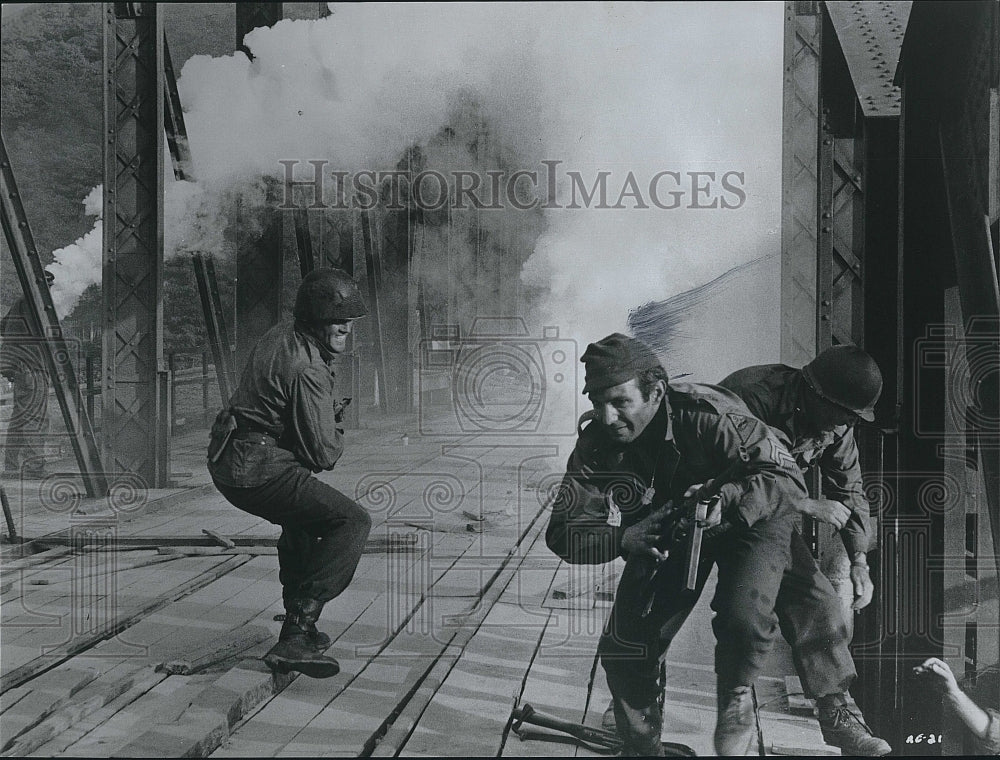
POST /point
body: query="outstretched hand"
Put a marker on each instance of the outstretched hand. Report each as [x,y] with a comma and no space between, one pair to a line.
[940,672]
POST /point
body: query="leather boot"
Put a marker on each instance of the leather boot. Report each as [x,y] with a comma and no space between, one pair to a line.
[295,649]
[844,726]
[321,641]
[736,724]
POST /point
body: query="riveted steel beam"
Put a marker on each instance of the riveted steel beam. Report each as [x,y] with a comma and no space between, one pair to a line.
[799,172]
[47,331]
[134,399]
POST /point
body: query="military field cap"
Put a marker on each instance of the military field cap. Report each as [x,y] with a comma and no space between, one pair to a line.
[614,360]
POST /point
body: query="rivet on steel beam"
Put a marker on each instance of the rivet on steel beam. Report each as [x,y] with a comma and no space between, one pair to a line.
[826,229]
[825,317]
[826,214]
[826,303]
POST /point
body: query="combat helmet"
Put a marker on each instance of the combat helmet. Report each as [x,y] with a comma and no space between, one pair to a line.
[848,377]
[328,295]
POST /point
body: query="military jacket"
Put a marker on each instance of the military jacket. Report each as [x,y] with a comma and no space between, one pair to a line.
[773,392]
[287,393]
[699,433]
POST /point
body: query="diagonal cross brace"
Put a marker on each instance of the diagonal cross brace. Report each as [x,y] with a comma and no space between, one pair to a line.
[45,325]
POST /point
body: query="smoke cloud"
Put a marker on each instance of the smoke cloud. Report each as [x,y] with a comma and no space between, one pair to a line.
[686,87]
[627,89]
[78,266]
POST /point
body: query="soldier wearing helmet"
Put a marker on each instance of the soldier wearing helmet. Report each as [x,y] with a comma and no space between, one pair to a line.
[280,427]
[815,410]
[647,446]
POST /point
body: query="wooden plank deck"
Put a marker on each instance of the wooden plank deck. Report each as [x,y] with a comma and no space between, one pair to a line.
[437,642]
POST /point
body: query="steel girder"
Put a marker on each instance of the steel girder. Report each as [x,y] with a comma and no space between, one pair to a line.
[47,331]
[799,181]
[135,384]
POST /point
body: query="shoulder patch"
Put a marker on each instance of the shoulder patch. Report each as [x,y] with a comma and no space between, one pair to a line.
[743,424]
[584,419]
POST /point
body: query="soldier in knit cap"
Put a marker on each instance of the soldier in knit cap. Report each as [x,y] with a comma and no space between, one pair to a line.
[644,450]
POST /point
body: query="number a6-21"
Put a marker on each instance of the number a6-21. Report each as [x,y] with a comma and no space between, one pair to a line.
[923,739]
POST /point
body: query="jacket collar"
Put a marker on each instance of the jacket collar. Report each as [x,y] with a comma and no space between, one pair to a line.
[324,353]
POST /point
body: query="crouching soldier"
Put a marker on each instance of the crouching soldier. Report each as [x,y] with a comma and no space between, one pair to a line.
[647,448]
[280,427]
[816,409]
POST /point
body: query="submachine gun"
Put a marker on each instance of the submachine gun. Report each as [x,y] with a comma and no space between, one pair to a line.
[683,538]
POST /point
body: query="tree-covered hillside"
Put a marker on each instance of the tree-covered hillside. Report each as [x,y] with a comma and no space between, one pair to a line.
[52,116]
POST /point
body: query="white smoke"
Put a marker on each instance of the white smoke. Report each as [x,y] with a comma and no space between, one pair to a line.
[191,223]
[618,87]
[688,87]
[78,266]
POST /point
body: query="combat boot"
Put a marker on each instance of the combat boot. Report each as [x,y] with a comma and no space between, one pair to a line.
[295,649]
[735,724]
[321,641]
[844,726]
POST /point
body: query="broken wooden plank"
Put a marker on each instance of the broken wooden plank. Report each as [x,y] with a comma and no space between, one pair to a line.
[188,626]
[205,730]
[218,538]
[115,568]
[283,719]
[225,648]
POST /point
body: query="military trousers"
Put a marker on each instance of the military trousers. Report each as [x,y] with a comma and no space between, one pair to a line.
[751,564]
[804,603]
[323,532]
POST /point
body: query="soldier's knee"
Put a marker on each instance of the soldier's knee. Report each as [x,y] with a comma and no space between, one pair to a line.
[742,624]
